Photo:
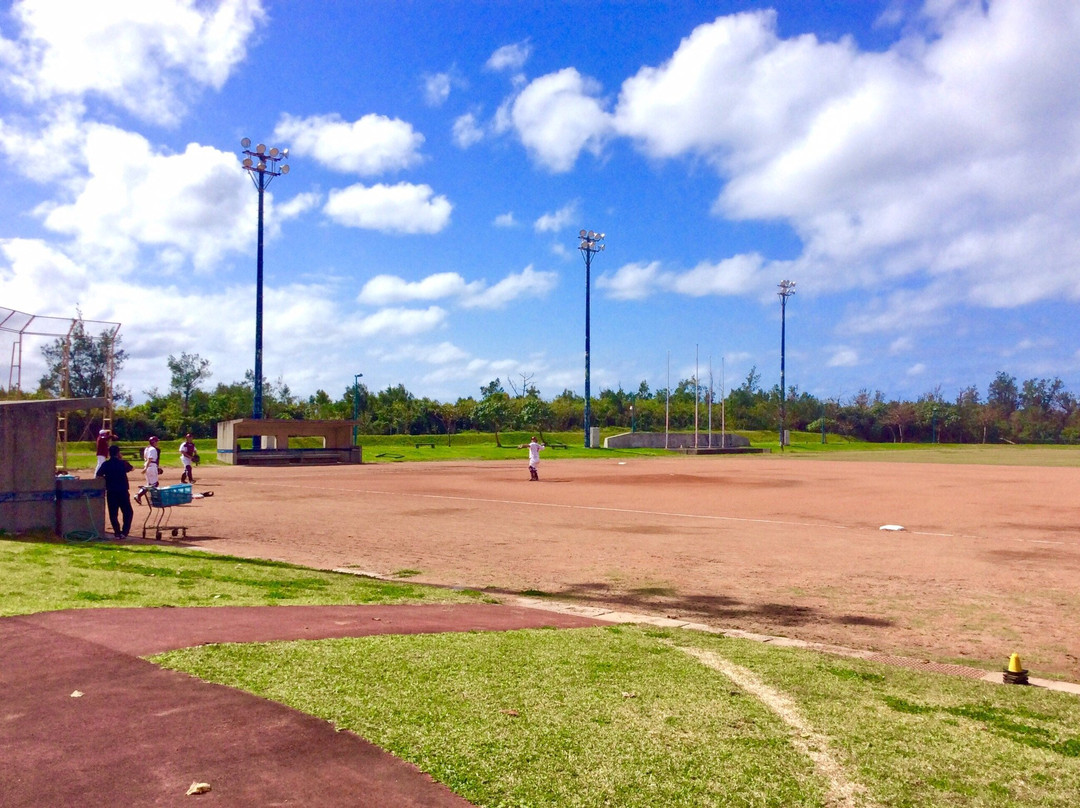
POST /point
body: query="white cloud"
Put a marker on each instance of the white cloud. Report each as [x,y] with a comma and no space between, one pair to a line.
[918,369]
[732,86]
[31,272]
[436,88]
[557,220]
[901,345]
[557,115]
[510,57]
[949,158]
[147,58]
[373,144]
[298,205]
[466,131]
[443,353]
[401,322]
[843,357]
[401,208]
[167,316]
[635,281]
[383,290]
[527,283]
[505,220]
[193,205]
[739,275]
[49,148]
[387,289]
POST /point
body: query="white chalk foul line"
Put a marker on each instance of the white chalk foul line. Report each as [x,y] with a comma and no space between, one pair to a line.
[600,508]
[842,792]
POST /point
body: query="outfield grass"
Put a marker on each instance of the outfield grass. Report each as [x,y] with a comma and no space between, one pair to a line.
[482,446]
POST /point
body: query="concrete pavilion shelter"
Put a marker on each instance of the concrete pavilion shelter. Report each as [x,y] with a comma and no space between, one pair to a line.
[31,495]
[337,437]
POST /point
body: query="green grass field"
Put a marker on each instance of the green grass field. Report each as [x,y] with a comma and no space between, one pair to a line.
[610,716]
[482,446]
[47,575]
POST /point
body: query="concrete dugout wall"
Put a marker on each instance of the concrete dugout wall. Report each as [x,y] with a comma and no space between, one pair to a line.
[275,434]
[31,497]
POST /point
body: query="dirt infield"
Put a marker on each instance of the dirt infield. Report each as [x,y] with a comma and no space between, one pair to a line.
[988,563]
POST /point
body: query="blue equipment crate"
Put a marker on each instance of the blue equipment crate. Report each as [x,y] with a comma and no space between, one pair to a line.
[170,495]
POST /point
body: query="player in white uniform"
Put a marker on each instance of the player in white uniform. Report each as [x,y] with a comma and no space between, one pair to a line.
[534,446]
[151,457]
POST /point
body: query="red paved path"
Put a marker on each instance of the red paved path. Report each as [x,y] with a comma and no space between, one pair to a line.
[140,735]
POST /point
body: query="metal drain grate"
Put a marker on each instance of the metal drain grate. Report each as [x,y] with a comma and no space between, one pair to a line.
[924,665]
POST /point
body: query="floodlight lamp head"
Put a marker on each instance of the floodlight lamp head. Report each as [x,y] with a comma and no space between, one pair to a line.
[581,234]
[285,169]
[285,153]
[274,151]
[261,149]
[261,166]
[247,162]
[245,142]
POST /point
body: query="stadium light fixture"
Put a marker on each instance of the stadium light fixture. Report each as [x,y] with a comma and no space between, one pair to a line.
[263,167]
[787,289]
[591,244]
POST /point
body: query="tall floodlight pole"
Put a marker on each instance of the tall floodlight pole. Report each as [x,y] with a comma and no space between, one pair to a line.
[355,404]
[263,165]
[787,289]
[591,244]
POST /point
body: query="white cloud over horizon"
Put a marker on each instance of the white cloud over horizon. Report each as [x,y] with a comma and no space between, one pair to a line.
[910,160]
[383,290]
[921,191]
[403,208]
[368,146]
[123,52]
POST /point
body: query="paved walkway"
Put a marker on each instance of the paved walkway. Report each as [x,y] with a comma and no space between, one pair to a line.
[140,735]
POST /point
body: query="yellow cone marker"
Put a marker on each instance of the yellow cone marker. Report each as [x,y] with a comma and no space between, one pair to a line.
[1014,664]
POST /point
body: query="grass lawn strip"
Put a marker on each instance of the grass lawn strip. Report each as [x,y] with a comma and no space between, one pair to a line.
[842,791]
[618,716]
[45,576]
[540,718]
[918,739]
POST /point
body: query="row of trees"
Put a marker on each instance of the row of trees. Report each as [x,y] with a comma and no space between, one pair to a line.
[1034,411]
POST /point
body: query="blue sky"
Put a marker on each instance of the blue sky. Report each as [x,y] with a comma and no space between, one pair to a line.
[912,166]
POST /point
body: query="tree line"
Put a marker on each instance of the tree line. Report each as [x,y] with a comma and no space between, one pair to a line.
[1037,410]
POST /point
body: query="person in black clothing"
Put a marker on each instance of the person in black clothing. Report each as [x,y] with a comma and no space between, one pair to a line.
[115,471]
